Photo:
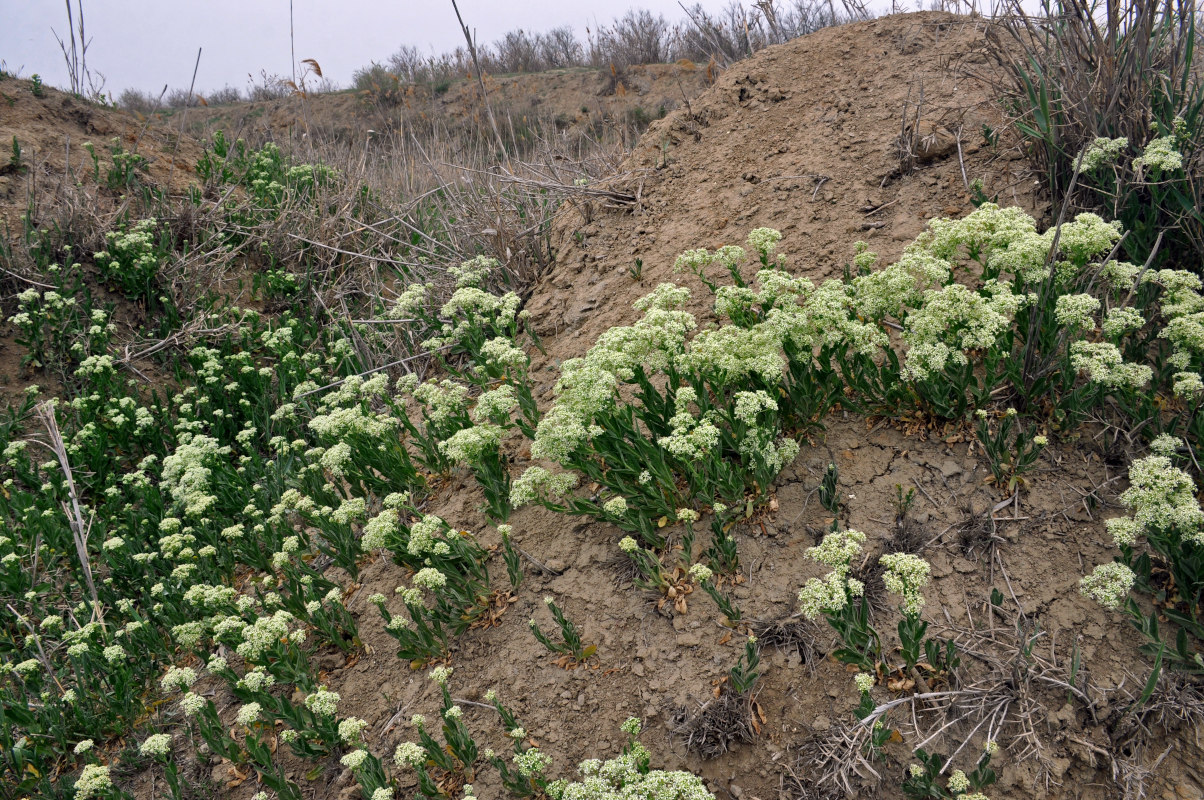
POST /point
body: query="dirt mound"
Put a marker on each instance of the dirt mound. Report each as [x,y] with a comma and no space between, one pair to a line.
[576,98]
[51,132]
[862,132]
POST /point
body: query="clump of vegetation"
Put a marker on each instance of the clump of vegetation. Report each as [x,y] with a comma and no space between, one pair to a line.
[1111,108]
[204,533]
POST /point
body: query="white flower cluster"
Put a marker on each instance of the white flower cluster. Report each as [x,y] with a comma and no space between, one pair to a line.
[1162,498]
[1109,584]
[264,634]
[495,404]
[409,754]
[381,530]
[473,272]
[1103,364]
[906,575]
[531,763]
[1076,311]
[351,729]
[248,715]
[323,702]
[442,401]
[953,320]
[1160,155]
[1103,152]
[426,537]
[93,781]
[472,309]
[536,484]
[831,593]
[186,472]
[178,678]
[470,445]
[588,385]
[620,779]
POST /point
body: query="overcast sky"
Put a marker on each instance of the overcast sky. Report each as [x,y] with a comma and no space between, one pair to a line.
[145,44]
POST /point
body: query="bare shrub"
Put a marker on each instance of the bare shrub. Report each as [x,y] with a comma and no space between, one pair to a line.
[267,87]
[135,100]
[638,37]
[560,48]
[224,96]
[517,51]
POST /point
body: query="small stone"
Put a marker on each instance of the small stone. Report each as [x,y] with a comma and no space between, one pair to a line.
[1187,792]
[637,669]
[821,724]
[688,640]
[949,468]
[735,791]
[963,566]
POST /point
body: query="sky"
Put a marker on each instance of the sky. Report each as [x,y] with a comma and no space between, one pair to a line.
[144,44]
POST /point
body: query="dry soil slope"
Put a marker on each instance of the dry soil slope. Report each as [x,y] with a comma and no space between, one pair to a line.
[802,137]
[574,97]
[51,132]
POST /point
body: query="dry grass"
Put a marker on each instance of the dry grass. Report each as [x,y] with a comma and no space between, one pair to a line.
[717,726]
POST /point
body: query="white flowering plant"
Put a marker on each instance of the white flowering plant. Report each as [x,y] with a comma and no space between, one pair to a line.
[841,599]
[704,577]
[455,756]
[369,771]
[479,447]
[526,777]
[478,335]
[158,747]
[61,326]
[421,638]
[1148,180]
[132,259]
[1164,536]
[363,448]
[704,424]
[629,775]
[906,575]
[923,779]
[268,175]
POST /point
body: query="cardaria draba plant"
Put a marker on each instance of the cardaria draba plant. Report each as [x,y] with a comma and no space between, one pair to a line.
[708,411]
[841,600]
[906,575]
[1162,554]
